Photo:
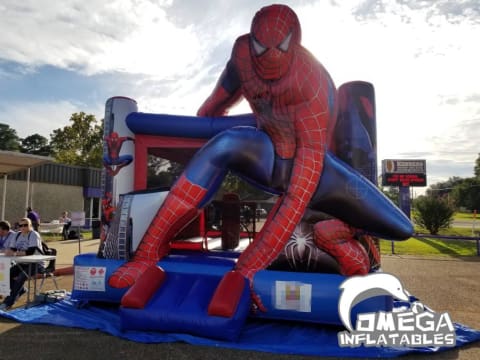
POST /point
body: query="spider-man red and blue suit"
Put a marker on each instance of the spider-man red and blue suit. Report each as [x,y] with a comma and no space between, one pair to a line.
[294,102]
[113,161]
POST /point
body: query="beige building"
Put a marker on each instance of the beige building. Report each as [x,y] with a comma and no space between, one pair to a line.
[49,188]
[49,200]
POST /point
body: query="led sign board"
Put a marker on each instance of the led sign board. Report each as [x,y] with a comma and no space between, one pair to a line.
[404,172]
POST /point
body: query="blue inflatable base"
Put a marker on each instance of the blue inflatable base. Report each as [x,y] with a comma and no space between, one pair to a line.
[180,305]
[311,297]
[282,337]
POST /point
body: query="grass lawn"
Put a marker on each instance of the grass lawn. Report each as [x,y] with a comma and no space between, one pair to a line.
[432,246]
[460,215]
[86,234]
[465,216]
[428,246]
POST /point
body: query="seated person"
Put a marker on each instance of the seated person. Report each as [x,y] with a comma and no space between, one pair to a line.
[26,242]
[67,222]
[6,233]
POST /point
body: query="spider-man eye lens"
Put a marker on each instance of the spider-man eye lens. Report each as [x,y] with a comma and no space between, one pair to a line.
[285,43]
[257,47]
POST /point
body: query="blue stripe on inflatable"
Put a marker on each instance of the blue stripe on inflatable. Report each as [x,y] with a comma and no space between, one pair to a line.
[185,126]
[197,264]
[310,297]
[194,264]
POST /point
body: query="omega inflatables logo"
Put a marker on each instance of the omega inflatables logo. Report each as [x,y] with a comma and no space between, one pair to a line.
[412,325]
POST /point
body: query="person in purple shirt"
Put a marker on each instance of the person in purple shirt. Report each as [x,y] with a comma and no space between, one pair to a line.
[34,218]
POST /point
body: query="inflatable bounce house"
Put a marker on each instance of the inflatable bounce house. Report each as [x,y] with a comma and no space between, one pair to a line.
[197,261]
[189,292]
[309,144]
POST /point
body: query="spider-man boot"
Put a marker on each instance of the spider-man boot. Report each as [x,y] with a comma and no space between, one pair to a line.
[337,239]
[179,209]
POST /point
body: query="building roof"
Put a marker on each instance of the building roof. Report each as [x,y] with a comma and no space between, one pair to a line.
[12,161]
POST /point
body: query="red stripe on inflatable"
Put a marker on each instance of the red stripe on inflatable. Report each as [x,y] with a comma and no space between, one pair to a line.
[146,285]
[227,295]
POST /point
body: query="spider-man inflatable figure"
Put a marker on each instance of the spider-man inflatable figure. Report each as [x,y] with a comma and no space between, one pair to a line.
[294,101]
[113,161]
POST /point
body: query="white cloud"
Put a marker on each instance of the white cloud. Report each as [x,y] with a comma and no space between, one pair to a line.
[421,57]
[415,65]
[96,36]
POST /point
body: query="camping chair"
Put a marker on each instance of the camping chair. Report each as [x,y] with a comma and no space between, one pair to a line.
[49,270]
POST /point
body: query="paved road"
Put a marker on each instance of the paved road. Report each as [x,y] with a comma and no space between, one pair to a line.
[443,283]
[465,223]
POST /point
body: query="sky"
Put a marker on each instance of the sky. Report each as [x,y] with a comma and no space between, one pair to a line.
[62,57]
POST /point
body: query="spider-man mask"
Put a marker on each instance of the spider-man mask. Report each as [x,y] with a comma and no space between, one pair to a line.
[274,34]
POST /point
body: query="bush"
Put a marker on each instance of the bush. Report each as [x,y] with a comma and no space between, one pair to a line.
[433,213]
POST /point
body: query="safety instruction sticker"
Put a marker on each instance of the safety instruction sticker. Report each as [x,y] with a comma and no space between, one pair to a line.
[90,278]
[293,295]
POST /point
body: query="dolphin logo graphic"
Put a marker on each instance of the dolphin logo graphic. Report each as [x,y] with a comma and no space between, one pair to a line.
[358,288]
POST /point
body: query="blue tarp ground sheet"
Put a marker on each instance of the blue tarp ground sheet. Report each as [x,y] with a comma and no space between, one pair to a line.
[257,334]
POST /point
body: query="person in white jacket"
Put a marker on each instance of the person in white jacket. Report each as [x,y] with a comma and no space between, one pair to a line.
[26,242]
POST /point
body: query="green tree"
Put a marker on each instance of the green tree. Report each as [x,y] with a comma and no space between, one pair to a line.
[9,139]
[393,193]
[467,193]
[80,143]
[35,144]
[433,213]
[476,169]
[443,188]
[246,192]
[163,173]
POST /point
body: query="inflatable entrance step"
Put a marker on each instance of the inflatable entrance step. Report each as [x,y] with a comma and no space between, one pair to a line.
[181,305]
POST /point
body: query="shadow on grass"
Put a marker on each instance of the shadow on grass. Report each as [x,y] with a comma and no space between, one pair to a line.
[465,250]
[460,249]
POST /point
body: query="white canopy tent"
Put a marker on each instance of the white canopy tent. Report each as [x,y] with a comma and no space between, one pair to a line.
[10,162]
